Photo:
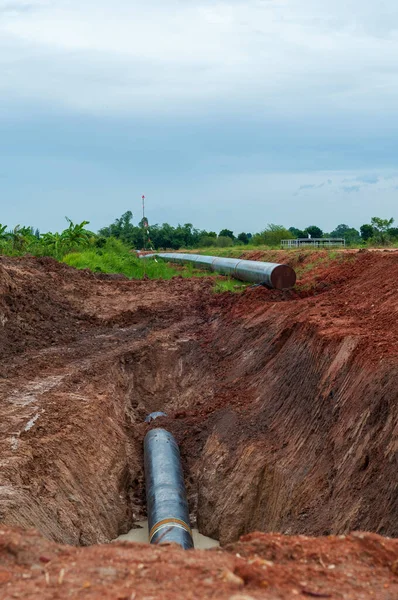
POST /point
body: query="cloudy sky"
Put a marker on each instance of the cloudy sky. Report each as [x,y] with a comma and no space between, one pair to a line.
[224,114]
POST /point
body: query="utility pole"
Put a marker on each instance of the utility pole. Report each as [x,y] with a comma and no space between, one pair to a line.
[143,221]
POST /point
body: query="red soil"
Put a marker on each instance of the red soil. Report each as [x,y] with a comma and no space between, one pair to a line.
[357,567]
[284,405]
[357,293]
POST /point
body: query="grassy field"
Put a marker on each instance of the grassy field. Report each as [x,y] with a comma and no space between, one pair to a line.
[126,264]
[116,258]
[229,252]
[239,250]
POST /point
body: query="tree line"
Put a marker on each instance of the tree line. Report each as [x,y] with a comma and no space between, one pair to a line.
[76,236]
[378,231]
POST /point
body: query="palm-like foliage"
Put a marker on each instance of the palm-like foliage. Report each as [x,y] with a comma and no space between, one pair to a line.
[76,234]
[52,243]
[3,232]
[24,239]
[73,237]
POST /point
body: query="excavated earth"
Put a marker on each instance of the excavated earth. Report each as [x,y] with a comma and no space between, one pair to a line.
[284,405]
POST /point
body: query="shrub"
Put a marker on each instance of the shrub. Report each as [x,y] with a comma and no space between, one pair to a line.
[223,241]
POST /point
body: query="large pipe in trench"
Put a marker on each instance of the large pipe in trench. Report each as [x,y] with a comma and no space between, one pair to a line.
[168,513]
[273,275]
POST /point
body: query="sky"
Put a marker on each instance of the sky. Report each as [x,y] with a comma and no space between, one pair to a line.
[230,114]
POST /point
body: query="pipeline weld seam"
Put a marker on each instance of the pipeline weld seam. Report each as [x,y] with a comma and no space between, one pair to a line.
[167,523]
[168,527]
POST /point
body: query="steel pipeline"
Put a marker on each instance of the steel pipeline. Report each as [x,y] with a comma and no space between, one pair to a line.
[168,513]
[272,275]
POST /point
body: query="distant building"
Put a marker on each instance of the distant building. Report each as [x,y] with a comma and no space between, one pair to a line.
[314,242]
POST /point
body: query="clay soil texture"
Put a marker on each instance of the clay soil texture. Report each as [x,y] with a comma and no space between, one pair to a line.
[284,405]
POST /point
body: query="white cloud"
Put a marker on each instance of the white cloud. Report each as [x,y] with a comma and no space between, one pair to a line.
[300,56]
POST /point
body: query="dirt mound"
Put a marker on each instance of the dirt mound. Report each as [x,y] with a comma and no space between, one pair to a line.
[260,566]
[33,307]
[283,403]
[353,293]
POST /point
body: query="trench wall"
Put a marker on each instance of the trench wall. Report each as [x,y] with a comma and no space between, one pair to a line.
[309,443]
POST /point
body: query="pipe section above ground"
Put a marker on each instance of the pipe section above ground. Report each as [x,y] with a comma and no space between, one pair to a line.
[167,505]
[273,275]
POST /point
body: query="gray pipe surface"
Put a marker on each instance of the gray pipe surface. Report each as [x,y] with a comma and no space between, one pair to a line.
[273,275]
[168,513]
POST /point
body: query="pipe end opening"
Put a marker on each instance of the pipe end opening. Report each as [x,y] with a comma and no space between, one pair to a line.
[283,277]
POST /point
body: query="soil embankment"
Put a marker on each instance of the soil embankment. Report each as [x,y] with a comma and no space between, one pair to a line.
[284,405]
[270,567]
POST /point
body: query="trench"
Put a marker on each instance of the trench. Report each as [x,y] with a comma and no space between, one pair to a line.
[140,533]
[280,429]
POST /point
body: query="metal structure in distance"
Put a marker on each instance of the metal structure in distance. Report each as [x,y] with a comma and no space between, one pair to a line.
[167,505]
[314,242]
[273,275]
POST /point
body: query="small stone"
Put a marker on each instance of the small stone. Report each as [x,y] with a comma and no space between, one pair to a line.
[230,577]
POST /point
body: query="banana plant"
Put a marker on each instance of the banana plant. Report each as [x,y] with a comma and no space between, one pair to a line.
[3,232]
[76,234]
[53,243]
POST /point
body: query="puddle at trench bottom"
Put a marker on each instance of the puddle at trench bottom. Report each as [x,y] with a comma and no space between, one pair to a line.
[140,534]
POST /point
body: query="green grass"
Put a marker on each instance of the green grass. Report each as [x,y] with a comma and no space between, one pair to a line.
[229,252]
[114,257]
[237,250]
[126,264]
[123,262]
[227,284]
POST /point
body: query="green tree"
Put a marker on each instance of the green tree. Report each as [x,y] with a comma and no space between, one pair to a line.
[381,229]
[207,238]
[393,233]
[226,233]
[314,231]
[20,237]
[223,241]
[366,232]
[206,241]
[297,233]
[3,232]
[53,244]
[4,238]
[157,236]
[76,235]
[143,223]
[243,238]
[190,234]
[123,229]
[273,234]
[350,234]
